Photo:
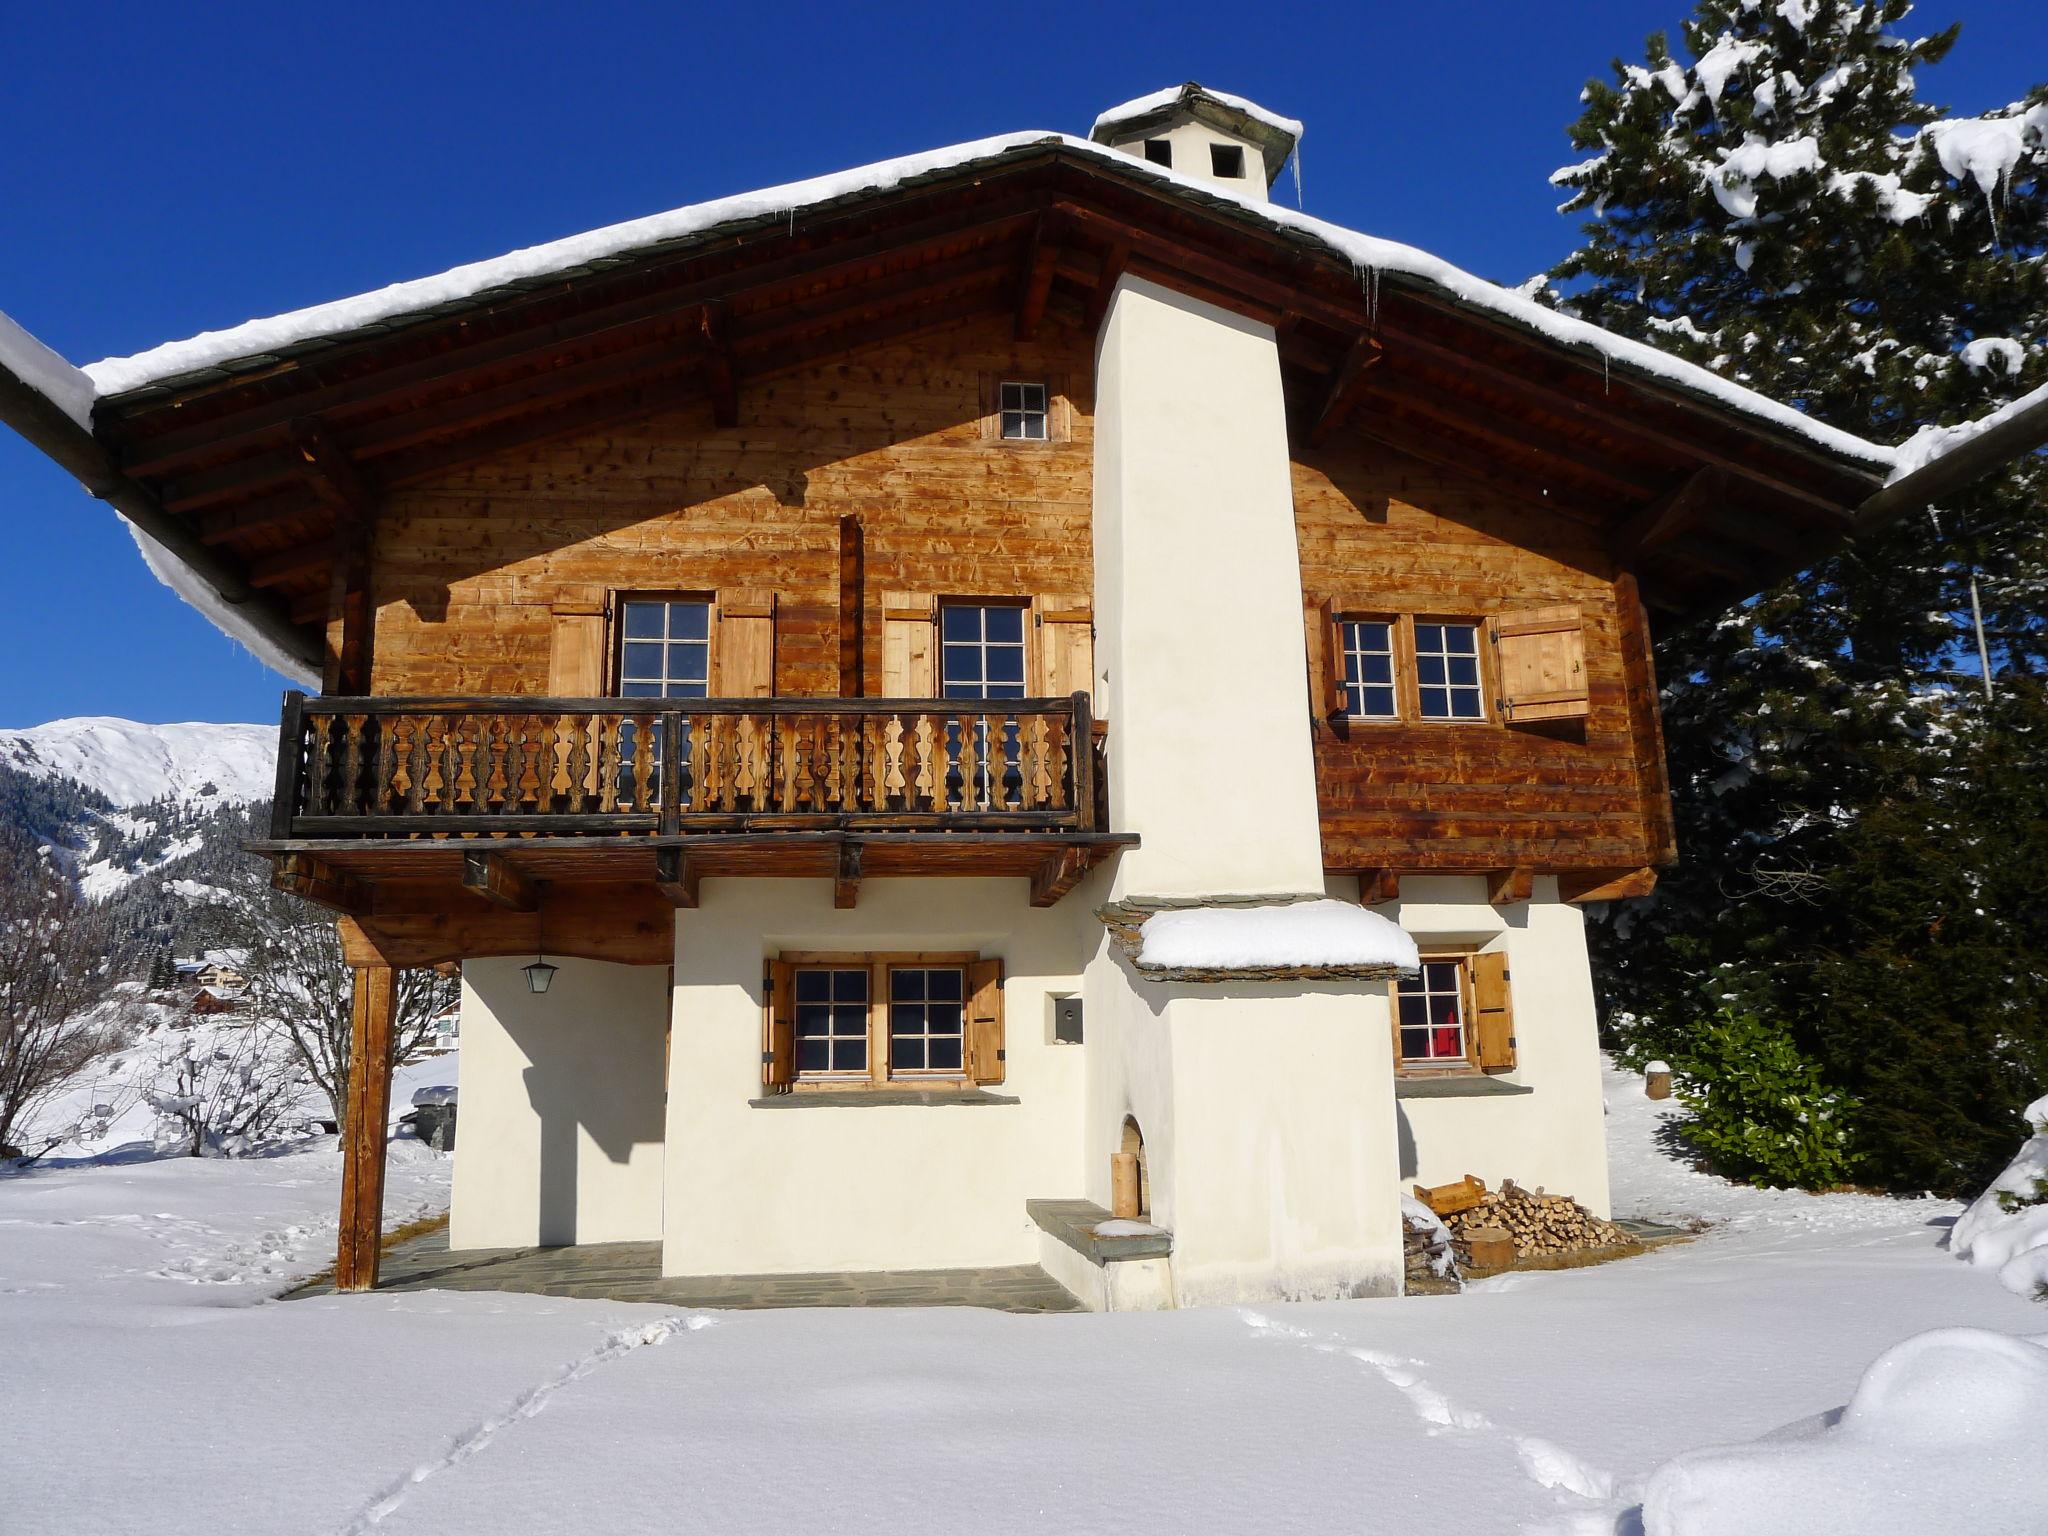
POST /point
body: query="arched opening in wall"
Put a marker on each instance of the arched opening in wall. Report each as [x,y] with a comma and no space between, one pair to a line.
[1134,1143]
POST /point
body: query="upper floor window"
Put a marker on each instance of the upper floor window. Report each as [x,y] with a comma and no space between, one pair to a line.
[1159,151]
[664,648]
[1024,411]
[1369,669]
[981,651]
[1226,161]
[1447,671]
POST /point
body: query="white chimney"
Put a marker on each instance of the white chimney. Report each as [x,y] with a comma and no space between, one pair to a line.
[1210,135]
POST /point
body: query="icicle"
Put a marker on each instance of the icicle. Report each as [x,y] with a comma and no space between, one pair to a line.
[1297,179]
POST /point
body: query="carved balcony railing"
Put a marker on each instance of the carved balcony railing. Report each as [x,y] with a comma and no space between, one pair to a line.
[414,767]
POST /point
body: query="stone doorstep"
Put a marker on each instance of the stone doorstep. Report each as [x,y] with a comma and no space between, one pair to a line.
[1074,1222]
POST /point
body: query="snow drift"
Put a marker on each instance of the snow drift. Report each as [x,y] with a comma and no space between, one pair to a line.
[1944,1433]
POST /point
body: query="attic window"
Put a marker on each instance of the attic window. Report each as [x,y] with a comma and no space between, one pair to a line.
[1024,411]
[1226,161]
[1159,151]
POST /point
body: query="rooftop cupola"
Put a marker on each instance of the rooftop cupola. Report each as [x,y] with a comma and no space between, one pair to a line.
[1209,135]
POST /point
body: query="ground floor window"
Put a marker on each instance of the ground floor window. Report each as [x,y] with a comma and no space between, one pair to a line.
[1430,1011]
[868,1020]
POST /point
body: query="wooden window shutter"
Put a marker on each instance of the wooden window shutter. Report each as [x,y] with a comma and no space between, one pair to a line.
[985,1050]
[778,1032]
[1494,1011]
[1066,645]
[744,651]
[1541,653]
[909,645]
[576,652]
[1325,661]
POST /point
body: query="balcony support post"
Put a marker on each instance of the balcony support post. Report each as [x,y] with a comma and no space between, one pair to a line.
[674,876]
[372,1006]
[846,884]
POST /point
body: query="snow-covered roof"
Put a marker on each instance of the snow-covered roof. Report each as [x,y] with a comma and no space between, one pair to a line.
[1374,258]
[1932,443]
[1173,95]
[66,387]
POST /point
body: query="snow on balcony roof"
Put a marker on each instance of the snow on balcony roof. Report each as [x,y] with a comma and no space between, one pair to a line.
[1144,106]
[1368,253]
[1303,937]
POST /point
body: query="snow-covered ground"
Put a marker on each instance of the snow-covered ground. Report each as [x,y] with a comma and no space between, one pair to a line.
[160,1391]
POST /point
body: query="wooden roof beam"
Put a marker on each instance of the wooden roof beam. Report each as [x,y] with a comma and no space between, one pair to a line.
[1114,261]
[1556,455]
[1620,423]
[1347,387]
[846,880]
[721,373]
[239,431]
[333,476]
[1684,503]
[1034,282]
[294,564]
[488,875]
[1464,457]
[675,877]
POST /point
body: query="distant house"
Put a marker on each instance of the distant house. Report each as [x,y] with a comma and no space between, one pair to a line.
[1026,678]
[211,1000]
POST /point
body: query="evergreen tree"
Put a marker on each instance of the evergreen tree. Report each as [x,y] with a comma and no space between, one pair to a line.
[1784,209]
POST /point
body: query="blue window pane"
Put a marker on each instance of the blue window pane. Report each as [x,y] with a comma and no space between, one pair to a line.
[958,623]
[1462,639]
[1376,669]
[906,986]
[850,1019]
[1006,665]
[813,1055]
[943,986]
[852,1054]
[963,662]
[906,1055]
[640,690]
[689,621]
[1377,701]
[1429,669]
[1465,706]
[1436,703]
[643,621]
[1005,624]
[1415,1043]
[1464,669]
[643,660]
[813,986]
[696,689]
[944,1055]
[1429,637]
[1004,691]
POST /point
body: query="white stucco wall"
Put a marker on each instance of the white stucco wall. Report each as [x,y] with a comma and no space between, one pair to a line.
[1191,140]
[1554,1136]
[797,1189]
[1199,642]
[559,1137]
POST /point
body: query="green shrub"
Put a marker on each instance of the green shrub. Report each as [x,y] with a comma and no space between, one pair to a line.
[1760,1108]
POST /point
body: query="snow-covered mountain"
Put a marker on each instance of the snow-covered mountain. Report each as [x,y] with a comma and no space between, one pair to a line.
[196,765]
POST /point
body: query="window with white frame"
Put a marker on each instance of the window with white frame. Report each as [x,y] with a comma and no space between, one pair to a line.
[981,656]
[927,1019]
[981,651]
[1447,671]
[831,1020]
[1369,669]
[1430,1013]
[1025,412]
[664,648]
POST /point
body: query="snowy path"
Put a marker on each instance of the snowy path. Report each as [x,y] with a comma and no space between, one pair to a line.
[172,1398]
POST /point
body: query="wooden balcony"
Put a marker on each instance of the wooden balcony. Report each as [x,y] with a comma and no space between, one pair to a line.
[498,793]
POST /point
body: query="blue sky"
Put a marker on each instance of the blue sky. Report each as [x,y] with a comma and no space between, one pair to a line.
[171,169]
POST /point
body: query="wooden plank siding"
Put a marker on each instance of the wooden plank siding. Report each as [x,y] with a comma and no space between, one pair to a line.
[465,568]
[1383,533]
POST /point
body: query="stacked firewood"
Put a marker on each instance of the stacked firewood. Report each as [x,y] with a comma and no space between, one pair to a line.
[1492,1226]
[1431,1260]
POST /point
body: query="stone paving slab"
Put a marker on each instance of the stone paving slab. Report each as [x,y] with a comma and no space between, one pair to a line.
[632,1272]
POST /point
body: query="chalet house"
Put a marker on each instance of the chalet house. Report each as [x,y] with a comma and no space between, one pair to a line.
[1036,628]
